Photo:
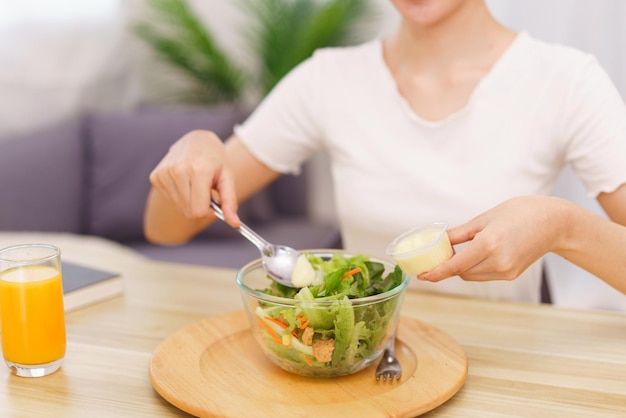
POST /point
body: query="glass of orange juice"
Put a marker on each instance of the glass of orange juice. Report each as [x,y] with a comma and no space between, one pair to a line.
[31,309]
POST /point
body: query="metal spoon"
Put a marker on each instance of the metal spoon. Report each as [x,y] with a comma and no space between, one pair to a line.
[278,260]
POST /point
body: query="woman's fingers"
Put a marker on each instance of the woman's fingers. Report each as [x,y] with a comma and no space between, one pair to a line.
[463,233]
[190,171]
[226,188]
[470,257]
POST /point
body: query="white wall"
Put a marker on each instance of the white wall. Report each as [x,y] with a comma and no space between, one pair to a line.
[58,57]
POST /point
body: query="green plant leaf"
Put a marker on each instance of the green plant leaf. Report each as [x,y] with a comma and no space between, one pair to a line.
[288,31]
[281,34]
[181,39]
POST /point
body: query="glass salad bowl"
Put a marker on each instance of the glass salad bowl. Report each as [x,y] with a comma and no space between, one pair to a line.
[337,325]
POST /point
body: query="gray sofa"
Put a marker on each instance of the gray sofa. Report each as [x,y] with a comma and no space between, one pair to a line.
[90,176]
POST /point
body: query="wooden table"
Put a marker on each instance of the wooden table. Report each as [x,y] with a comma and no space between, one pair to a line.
[524,360]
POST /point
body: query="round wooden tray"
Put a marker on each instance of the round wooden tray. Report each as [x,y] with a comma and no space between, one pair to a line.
[214,367]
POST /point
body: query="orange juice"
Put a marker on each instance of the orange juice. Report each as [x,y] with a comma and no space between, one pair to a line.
[32,315]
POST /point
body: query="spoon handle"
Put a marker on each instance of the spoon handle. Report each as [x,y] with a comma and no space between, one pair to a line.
[243,229]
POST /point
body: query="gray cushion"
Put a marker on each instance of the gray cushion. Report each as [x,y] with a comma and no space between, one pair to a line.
[41,180]
[235,252]
[123,148]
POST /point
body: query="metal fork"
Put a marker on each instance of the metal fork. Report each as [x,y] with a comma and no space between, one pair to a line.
[389,366]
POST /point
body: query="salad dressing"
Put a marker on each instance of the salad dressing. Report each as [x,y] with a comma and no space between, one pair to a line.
[421,249]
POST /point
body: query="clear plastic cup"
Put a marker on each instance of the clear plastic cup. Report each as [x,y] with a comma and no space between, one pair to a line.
[421,249]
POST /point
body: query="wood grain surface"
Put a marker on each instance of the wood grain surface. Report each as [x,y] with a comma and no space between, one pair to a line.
[525,360]
[215,368]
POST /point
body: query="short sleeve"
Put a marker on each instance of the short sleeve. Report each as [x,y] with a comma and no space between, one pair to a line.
[595,130]
[284,130]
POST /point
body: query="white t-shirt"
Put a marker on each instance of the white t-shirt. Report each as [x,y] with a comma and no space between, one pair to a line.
[539,108]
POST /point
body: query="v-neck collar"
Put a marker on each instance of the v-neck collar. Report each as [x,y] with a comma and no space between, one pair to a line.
[482,84]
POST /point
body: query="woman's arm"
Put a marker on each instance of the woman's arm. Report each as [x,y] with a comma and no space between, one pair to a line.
[505,240]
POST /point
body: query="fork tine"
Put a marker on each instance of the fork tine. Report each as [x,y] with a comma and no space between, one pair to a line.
[388,376]
[389,366]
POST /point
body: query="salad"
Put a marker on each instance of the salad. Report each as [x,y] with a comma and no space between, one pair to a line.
[326,326]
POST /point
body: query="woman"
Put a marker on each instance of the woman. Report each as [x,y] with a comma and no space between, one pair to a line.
[445,118]
[507,239]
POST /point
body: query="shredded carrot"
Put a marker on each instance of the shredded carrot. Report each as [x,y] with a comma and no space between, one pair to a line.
[271,332]
[308,360]
[352,272]
[295,333]
[276,321]
[303,321]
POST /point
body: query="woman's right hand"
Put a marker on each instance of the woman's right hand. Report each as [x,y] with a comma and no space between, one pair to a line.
[193,167]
